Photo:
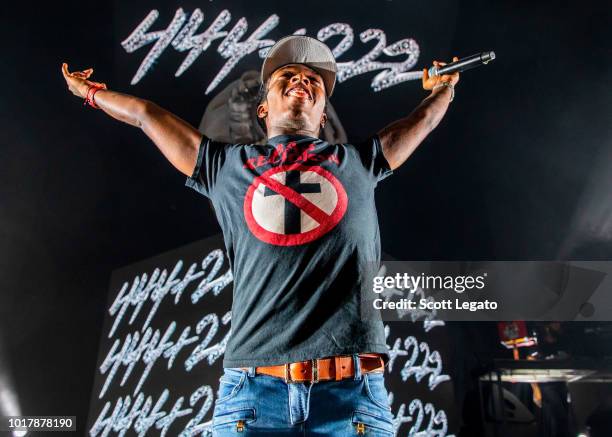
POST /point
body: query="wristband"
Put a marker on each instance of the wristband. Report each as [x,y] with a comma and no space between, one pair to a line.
[91,92]
[448,85]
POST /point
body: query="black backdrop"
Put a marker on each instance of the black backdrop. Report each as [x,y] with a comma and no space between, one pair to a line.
[519,168]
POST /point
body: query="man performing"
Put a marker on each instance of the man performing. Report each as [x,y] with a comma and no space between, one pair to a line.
[300,225]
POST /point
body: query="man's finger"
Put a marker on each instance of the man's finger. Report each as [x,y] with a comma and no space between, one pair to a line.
[425,75]
[65,69]
[455,58]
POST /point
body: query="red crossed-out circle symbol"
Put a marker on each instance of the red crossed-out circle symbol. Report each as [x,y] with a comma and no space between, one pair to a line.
[294,204]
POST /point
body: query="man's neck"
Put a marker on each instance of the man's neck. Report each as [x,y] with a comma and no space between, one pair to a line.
[273,132]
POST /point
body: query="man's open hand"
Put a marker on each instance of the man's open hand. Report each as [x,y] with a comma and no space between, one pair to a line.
[430,82]
[78,82]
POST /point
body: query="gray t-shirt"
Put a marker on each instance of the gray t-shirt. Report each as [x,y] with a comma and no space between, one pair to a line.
[300,226]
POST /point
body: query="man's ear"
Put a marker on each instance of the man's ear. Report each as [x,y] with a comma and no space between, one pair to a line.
[323,119]
[262,110]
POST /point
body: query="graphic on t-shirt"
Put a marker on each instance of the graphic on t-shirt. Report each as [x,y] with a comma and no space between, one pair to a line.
[294,204]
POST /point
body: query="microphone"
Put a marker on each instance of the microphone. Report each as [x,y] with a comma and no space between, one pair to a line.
[463,64]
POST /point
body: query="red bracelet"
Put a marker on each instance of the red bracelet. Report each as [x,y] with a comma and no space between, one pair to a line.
[91,92]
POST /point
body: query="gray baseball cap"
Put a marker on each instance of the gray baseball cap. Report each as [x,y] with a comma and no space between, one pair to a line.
[297,49]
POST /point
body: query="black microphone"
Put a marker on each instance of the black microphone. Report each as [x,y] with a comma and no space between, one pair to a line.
[463,64]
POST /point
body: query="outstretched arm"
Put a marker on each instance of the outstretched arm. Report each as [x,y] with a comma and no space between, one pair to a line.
[175,138]
[402,137]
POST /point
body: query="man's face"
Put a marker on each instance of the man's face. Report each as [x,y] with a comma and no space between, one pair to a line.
[295,100]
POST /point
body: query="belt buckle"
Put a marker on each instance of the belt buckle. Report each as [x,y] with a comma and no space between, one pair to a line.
[287,374]
[314,377]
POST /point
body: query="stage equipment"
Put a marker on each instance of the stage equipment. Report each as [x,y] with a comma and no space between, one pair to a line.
[463,64]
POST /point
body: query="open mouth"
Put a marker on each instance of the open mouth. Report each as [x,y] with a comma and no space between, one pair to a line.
[300,92]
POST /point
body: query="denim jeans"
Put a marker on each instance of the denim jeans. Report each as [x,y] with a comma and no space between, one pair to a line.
[262,405]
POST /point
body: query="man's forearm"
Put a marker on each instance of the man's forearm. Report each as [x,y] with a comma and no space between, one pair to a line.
[122,107]
[400,139]
[435,106]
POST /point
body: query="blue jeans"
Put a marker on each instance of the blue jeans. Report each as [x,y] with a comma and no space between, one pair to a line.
[262,405]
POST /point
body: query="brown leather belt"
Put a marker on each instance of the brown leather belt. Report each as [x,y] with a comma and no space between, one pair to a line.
[323,369]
